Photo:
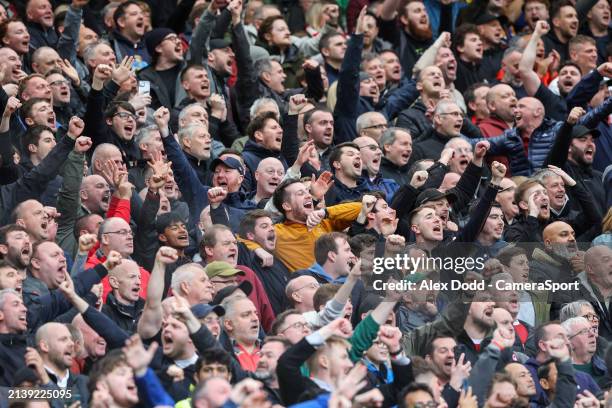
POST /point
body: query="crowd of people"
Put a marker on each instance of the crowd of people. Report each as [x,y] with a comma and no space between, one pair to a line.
[309,203]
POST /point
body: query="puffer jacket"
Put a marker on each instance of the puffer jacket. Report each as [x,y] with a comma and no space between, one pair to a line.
[540,142]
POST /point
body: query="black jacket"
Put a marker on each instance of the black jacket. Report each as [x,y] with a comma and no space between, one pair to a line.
[430,147]
[40,36]
[274,278]
[414,120]
[392,171]
[339,192]
[125,316]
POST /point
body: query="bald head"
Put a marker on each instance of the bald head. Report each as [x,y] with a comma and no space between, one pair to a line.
[598,265]
[300,292]
[502,102]
[44,332]
[553,231]
[103,153]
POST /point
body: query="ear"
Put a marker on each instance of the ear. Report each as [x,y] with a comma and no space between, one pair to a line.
[286,206]
[158,49]
[162,238]
[250,236]
[3,249]
[555,22]
[184,286]
[336,165]
[308,127]
[297,298]
[109,121]
[35,263]
[323,361]
[104,240]
[428,358]
[211,58]
[415,228]
[404,20]
[20,222]
[83,195]
[241,178]
[268,37]
[34,67]
[419,86]
[370,216]
[114,283]
[208,251]
[460,49]
[258,136]
[187,143]
[143,147]
[325,52]
[121,22]
[331,256]
[43,346]
[257,175]
[523,205]
[472,106]
[265,76]
[29,121]
[227,325]
[32,148]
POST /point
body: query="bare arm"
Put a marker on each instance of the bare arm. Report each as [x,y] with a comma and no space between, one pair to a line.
[151,320]
[531,80]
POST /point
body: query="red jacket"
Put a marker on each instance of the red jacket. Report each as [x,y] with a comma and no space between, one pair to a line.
[116,208]
[259,297]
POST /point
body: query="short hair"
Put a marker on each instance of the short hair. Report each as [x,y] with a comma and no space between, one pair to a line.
[4,293]
[279,197]
[23,84]
[165,220]
[540,332]
[326,39]
[461,33]
[429,347]
[105,366]
[443,105]
[337,152]
[33,135]
[579,40]
[247,223]
[263,65]
[213,355]
[28,106]
[569,324]
[323,294]
[499,378]
[573,309]
[120,11]
[210,236]
[184,111]
[363,121]
[7,229]
[360,242]
[113,108]
[506,255]
[259,102]
[367,57]
[409,389]
[191,67]
[544,368]
[557,6]
[188,131]
[544,2]
[543,174]
[523,187]
[388,136]
[470,93]
[331,341]
[326,243]
[259,122]
[145,133]
[275,329]
[90,50]
[184,273]
[40,50]
[308,115]
[80,223]
[270,339]
[266,27]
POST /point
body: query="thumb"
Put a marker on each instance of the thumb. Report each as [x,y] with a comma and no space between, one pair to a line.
[152,349]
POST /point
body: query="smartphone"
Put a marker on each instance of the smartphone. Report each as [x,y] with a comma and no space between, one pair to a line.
[144,87]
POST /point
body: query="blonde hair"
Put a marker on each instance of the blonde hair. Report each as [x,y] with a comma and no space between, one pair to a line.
[606,224]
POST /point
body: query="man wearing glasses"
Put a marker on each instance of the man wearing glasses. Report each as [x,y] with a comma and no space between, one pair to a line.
[447,123]
[583,340]
[371,124]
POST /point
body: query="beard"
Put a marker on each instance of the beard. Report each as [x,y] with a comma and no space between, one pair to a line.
[419,33]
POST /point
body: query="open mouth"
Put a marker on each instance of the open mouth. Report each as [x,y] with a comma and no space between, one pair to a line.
[22,318]
[489,312]
[463,162]
[589,153]
[51,121]
[140,24]
[128,129]
[64,93]
[308,204]
[136,290]
[406,156]
[222,184]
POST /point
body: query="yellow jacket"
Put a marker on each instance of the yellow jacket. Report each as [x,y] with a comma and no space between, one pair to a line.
[295,243]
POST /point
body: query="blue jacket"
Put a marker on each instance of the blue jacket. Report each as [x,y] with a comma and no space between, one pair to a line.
[386,185]
[433,8]
[339,192]
[317,272]
[510,142]
[150,391]
[350,105]
[195,194]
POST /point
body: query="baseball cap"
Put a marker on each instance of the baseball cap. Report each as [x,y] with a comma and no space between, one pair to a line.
[220,268]
[579,131]
[244,286]
[228,161]
[218,44]
[202,310]
[432,194]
